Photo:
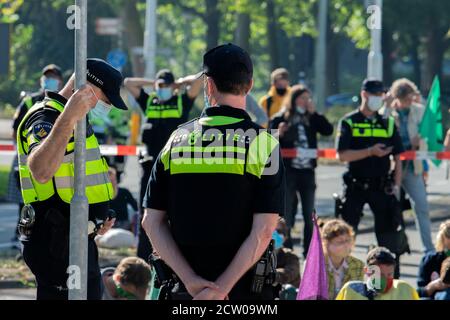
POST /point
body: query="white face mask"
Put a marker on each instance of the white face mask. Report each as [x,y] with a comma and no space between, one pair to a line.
[375,103]
[101,108]
[301,110]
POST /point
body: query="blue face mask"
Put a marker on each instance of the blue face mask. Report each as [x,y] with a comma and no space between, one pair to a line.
[164,94]
[278,238]
[101,109]
[50,84]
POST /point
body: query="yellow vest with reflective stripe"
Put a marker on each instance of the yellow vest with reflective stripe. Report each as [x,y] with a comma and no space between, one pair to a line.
[98,186]
[185,153]
[372,129]
[157,111]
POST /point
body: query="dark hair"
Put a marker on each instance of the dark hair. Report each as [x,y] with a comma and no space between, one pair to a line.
[380,255]
[238,83]
[289,102]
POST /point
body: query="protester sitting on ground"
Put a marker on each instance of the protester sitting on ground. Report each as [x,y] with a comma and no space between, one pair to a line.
[122,198]
[129,281]
[288,264]
[445,278]
[380,283]
[338,240]
[429,282]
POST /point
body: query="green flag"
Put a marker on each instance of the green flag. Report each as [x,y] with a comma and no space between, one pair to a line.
[431,128]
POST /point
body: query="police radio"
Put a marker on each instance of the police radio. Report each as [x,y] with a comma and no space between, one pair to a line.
[264,271]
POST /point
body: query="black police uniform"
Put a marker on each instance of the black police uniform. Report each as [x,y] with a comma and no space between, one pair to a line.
[46,252]
[155,133]
[367,180]
[21,111]
[210,207]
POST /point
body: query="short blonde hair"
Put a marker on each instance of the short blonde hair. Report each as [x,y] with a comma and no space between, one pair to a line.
[403,87]
[444,232]
[334,228]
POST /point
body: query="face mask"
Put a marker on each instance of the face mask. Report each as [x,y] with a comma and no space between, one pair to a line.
[50,84]
[124,294]
[278,238]
[281,91]
[207,99]
[164,94]
[301,110]
[385,284]
[375,103]
[447,253]
[101,109]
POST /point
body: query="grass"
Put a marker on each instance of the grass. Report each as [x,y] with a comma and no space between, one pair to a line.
[4,176]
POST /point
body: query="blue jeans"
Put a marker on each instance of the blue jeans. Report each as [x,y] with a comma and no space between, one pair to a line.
[414,186]
[442,295]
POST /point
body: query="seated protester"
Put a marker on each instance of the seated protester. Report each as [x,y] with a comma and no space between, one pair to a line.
[429,283]
[288,263]
[380,283]
[129,281]
[122,198]
[338,240]
[445,278]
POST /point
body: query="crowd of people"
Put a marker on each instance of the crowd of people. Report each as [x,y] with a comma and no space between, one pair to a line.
[370,139]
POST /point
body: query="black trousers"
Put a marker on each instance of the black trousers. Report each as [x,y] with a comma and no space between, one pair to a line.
[50,270]
[144,248]
[301,183]
[386,215]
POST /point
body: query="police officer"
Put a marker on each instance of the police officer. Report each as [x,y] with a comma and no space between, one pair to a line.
[212,203]
[51,79]
[45,145]
[164,109]
[367,141]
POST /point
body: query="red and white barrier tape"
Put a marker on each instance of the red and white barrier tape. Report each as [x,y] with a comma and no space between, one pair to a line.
[106,150]
[122,150]
[331,154]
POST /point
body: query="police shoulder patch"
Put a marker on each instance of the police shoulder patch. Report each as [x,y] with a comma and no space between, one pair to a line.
[41,130]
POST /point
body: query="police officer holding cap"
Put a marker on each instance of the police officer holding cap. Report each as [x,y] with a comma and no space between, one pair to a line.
[367,141]
[216,191]
[45,144]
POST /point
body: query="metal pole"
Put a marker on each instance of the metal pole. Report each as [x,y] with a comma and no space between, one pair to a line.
[321,60]
[79,207]
[375,59]
[150,38]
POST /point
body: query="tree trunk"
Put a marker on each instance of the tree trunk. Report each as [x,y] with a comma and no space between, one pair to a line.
[332,69]
[212,20]
[242,36]
[133,35]
[416,59]
[435,49]
[272,34]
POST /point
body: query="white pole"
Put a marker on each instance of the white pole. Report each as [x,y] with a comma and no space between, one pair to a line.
[150,38]
[321,59]
[79,208]
[375,59]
